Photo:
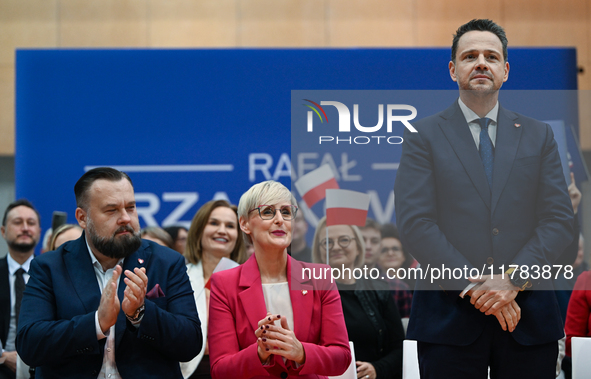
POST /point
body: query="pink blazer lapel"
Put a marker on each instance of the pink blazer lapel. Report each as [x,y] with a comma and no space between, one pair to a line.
[302,299]
[251,295]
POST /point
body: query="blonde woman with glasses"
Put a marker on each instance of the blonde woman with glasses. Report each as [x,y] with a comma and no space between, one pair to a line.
[267,319]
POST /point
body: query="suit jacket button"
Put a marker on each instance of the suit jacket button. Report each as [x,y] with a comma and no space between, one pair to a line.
[490,260]
[283,375]
[495,231]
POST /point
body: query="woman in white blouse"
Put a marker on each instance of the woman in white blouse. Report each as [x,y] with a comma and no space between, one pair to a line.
[213,235]
[268,318]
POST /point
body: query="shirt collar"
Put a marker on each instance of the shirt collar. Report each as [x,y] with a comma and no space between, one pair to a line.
[14,265]
[95,261]
[470,115]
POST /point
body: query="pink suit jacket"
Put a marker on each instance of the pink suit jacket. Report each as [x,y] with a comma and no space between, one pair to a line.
[237,305]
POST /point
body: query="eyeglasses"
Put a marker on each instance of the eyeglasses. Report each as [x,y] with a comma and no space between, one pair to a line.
[343,242]
[267,212]
[394,249]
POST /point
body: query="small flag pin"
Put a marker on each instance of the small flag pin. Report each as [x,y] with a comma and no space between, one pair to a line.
[304,292]
[517,125]
[140,260]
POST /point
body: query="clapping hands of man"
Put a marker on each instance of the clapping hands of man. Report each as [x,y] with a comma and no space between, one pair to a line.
[134,295]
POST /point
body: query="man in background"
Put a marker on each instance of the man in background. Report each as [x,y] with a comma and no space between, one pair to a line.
[21,230]
[372,237]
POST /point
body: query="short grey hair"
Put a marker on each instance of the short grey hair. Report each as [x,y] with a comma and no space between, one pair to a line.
[265,193]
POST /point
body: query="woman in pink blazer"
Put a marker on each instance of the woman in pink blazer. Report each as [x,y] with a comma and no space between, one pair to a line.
[267,317]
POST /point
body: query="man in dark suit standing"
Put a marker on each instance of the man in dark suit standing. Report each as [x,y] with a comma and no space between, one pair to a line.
[480,187]
[108,305]
[21,230]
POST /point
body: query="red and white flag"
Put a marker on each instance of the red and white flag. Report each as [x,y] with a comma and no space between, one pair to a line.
[346,207]
[312,186]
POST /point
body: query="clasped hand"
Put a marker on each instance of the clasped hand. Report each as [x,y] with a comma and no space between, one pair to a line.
[495,295]
[278,340]
[134,295]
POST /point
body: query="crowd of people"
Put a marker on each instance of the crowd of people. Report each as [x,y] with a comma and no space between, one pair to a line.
[374,312]
[228,297]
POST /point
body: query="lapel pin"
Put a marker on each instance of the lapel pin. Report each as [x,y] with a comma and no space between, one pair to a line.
[517,125]
[304,292]
[140,260]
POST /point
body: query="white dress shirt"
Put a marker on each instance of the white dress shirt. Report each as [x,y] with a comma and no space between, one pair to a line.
[109,367]
[22,370]
[13,266]
[472,120]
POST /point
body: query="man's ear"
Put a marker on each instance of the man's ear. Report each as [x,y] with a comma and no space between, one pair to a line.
[452,71]
[3,230]
[81,217]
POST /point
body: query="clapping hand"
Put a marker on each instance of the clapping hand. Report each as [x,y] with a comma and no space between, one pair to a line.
[278,340]
[135,292]
[109,305]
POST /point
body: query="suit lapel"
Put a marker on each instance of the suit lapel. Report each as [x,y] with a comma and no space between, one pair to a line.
[251,297]
[456,130]
[302,299]
[82,275]
[508,137]
[140,258]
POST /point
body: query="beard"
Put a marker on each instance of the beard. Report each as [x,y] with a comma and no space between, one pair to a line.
[115,246]
[22,247]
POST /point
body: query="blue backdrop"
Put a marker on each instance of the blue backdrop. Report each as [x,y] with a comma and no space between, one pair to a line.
[193,125]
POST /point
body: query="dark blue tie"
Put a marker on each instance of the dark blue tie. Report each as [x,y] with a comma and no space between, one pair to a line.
[486,149]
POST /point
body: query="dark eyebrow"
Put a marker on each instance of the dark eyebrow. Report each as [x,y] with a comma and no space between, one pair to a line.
[472,51]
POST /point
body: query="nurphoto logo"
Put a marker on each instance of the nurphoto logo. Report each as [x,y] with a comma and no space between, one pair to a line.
[345,122]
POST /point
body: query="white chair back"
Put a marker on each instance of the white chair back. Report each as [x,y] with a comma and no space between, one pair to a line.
[410,360]
[581,354]
[351,372]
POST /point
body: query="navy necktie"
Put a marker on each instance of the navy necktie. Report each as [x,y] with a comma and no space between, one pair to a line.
[19,288]
[486,149]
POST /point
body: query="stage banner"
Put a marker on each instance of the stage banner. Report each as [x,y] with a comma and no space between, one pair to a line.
[190,126]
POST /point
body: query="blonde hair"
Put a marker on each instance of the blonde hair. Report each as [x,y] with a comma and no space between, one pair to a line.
[194,250]
[265,193]
[320,257]
[59,230]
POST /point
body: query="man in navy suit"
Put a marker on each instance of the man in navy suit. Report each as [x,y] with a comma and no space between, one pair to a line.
[480,187]
[108,305]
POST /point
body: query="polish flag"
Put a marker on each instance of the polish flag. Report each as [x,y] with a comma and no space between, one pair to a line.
[346,207]
[312,186]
